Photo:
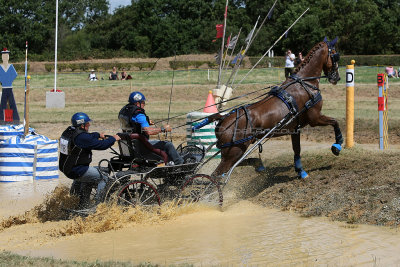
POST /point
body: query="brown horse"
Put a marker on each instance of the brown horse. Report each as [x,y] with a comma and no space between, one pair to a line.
[286,109]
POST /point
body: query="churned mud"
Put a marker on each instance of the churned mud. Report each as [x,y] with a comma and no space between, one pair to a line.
[362,185]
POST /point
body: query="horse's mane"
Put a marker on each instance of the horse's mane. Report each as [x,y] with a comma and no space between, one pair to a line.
[309,56]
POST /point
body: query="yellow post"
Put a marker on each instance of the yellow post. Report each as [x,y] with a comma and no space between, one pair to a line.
[350,105]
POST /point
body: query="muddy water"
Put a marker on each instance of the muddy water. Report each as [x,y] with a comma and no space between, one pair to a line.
[242,234]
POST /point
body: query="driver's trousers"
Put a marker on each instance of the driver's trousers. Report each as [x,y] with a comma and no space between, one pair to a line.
[169,148]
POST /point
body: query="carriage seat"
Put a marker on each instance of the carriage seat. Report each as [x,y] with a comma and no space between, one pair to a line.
[135,147]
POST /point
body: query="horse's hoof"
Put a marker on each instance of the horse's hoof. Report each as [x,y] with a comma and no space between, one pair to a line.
[260,168]
[336,148]
[303,174]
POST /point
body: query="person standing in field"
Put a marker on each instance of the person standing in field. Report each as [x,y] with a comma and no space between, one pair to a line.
[289,63]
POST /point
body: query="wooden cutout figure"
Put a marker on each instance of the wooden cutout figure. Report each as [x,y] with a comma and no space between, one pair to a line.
[8,108]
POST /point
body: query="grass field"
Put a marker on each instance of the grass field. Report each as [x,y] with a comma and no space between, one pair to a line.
[9,259]
[103,99]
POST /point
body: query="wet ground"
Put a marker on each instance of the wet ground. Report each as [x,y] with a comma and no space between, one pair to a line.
[246,232]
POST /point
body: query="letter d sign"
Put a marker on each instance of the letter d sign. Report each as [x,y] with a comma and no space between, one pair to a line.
[350,75]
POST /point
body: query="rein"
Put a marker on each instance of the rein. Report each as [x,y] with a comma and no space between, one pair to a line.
[225,110]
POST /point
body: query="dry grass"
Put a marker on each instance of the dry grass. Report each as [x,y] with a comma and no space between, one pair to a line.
[102,100]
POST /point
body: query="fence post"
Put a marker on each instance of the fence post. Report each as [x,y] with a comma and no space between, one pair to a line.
[350,104]
[383,110]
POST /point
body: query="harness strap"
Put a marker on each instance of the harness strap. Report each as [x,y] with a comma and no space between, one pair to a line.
[313,101]
[248,120]
[286,98]
[236,123]
[246,111]
[237,142]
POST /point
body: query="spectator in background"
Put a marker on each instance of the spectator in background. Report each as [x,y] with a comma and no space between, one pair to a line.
[113,74]
[391,72]
[289,63]
[92,76]
[124,75]
[299,59]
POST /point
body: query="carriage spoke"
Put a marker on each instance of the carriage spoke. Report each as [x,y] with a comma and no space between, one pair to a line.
[201,188]
[136,193]
[123,199]
[152,195]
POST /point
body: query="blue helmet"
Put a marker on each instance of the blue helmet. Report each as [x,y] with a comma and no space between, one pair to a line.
[135,97]
[79,119]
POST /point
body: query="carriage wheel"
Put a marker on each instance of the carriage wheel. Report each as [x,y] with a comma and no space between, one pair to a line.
[114,186]
[202,188]
[138,193]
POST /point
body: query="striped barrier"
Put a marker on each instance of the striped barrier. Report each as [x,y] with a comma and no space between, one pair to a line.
[8,131]
[29,158]
[16,162]
[204,135]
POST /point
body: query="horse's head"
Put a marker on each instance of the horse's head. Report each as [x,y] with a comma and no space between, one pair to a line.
[331,67]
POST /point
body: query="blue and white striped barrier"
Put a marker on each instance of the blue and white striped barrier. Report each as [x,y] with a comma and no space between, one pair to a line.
[25,159]
[46,166]
[16,162]
[8,131]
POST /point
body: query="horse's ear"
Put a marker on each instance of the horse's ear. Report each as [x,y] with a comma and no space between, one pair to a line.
[334,41]
[325,39]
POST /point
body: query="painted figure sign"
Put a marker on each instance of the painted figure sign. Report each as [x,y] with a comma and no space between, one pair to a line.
[8,108]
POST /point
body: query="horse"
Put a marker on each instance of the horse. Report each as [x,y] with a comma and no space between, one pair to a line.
[286,109]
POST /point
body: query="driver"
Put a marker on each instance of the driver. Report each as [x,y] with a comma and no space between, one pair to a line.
[139,122]
[76,145]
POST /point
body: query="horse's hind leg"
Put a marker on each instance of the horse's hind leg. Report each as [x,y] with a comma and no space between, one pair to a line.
[323,121]
[298,167]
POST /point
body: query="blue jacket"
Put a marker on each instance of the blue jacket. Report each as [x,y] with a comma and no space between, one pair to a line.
[90,141]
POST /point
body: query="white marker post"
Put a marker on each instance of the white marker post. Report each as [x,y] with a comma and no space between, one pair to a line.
[350,105]
[382,111]
[55,99]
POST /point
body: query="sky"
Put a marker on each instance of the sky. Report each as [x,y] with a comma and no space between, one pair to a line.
[115,3]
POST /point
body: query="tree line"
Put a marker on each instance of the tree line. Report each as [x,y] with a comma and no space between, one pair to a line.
[161,28]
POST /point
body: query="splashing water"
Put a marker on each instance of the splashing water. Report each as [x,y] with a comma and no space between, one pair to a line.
[108,216]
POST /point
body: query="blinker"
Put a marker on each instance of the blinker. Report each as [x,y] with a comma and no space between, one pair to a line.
[336,57]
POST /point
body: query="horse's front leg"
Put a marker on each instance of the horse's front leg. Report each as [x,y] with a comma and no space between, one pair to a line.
[229,156]
[298,167]
[325,120]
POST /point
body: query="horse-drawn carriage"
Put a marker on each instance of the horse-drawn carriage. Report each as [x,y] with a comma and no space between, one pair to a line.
[139,174]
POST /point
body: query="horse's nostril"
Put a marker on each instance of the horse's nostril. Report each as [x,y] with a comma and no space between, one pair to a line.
[338,79]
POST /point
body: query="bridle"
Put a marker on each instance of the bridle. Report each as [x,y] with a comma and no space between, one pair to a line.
[335,57]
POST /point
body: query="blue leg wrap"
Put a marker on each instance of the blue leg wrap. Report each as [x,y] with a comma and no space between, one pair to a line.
[302,174]
[260,168]
[336,148]
[298,167]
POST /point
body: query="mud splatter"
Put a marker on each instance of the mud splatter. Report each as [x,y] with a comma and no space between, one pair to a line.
[111,217]
[106,217]
[50,210]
